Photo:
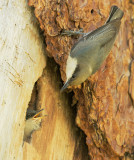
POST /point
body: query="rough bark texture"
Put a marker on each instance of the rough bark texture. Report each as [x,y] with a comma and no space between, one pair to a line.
[106,100]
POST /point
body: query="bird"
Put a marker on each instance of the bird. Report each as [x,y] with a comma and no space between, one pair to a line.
[88,54]
[33,123]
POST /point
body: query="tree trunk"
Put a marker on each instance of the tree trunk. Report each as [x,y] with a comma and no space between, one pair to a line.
[102,107]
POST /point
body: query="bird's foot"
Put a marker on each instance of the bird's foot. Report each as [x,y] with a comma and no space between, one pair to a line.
[72,33]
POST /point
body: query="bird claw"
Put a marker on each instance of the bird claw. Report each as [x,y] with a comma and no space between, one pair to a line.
[72,33]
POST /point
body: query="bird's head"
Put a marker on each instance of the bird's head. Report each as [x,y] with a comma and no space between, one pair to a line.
[72,73]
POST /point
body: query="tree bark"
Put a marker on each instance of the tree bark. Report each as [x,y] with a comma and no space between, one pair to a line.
[106,100]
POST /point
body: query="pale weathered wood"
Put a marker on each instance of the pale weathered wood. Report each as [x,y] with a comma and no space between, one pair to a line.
[21,63]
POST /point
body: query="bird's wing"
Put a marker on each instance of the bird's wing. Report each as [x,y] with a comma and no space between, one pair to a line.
[101,35]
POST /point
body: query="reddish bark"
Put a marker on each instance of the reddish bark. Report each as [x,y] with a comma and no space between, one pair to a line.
[106,99]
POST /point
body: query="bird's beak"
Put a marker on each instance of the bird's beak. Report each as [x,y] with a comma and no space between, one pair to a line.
[64,86]
[37,115]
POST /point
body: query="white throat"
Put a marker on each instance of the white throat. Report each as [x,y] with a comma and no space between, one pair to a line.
[70,66]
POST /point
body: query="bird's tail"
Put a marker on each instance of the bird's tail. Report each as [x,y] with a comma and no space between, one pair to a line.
[115,13]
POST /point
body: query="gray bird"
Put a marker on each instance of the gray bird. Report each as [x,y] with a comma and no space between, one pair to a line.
[33,121]
[91,50]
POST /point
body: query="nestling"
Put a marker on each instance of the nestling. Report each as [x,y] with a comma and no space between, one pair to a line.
[33,122]
[92,49]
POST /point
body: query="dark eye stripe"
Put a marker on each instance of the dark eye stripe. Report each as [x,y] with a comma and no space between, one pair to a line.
[75,72]
[77,69]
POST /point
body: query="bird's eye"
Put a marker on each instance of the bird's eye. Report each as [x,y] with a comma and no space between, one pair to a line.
[75,72]
[73,76]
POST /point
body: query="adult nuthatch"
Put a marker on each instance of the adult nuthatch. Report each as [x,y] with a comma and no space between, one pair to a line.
[33,121]
[91,50]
